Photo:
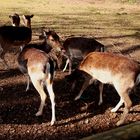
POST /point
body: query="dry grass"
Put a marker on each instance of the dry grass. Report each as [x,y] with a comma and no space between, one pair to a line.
[110,21]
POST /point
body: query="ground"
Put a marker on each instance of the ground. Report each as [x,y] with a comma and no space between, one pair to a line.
[114,24]
[75,119]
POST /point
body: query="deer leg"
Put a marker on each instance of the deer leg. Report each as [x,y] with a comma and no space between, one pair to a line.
[118,105]
[87,82]
[39,87]
[52,97]
[128,104]
[70,65]
[67,62]
[101,93]
[28,82]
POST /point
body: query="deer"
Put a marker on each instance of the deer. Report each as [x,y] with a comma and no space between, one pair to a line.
[15,19]
[52,41]
[76,48]
[40,66]
[13,37]
[108,68]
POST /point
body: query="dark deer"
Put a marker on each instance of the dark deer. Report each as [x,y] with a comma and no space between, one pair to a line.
[27,20]
[13,38]
[78,47]
[120,71]
[40,67]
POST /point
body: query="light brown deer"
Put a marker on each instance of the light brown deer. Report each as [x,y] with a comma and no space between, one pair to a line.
[40,67]
[120,71]
[12,38]
[52,41]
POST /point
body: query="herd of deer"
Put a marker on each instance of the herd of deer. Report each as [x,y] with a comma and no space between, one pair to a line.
[38,63]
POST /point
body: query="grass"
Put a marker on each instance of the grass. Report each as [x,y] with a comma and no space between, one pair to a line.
[111,21]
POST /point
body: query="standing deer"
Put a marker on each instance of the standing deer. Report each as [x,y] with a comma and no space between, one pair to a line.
[40,67]
[78,47]
[13,38]
[120,71]
[52,41]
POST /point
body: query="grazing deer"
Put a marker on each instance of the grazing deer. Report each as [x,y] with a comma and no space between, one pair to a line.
[15,19]
[120,71]
[13,38]
[78,47]
[40,67]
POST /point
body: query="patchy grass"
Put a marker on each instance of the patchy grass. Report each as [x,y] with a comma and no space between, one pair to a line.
[115,23]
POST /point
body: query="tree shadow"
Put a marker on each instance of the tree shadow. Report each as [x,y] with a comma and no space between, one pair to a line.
[135,35]
[19,107]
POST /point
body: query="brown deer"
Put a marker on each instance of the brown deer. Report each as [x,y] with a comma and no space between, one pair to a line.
[40,67]
[76,48]
[13,38]
[52,41]
[120,71]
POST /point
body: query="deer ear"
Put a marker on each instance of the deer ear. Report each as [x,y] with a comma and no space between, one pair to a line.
[24,19]
[44,33]
[10,16]
[31,16]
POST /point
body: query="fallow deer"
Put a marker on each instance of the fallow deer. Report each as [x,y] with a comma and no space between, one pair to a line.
[78,47]
[52,41]
[40,67]
[13,38]
[120,71]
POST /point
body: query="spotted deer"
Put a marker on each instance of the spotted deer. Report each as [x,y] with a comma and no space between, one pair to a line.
[76,48]
[12,38]
[120,71]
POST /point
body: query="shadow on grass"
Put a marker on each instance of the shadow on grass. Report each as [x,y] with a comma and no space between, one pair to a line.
[9,73]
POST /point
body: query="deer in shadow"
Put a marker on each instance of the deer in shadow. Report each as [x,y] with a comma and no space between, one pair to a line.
[76,48]
[14,37]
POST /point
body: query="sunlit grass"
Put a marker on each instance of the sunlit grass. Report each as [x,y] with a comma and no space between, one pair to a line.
[109,21]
